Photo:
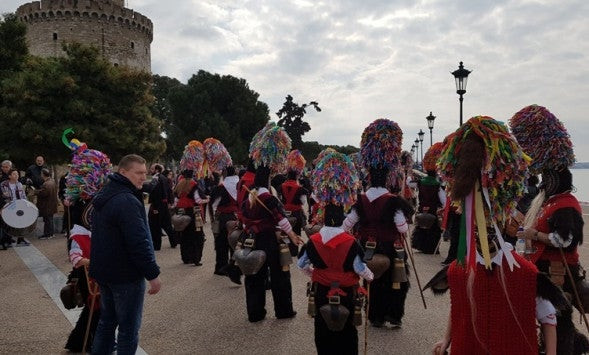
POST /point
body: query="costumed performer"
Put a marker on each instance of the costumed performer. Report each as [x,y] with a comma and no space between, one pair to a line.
[294,196]
[223,200]
[88,174]
[496,295]
[554,219]
[333,258]
[261,213]
[382,218]
[190,198]
[432,197]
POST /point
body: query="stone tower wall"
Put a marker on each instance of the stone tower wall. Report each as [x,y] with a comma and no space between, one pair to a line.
[121,35]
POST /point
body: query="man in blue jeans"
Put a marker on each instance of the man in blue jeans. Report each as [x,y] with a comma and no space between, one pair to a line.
[122,257]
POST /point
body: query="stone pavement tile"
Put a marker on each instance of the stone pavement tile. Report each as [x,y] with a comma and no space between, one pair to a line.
[31,323]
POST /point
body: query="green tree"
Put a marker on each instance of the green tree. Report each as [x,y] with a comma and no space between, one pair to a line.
[108,107]
[310,150]
[211,105]
[13,46]
[291,118]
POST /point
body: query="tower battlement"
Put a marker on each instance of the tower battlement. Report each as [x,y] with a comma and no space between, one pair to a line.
[122,35]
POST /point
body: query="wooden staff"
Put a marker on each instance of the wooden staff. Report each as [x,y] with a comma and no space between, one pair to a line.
[574,286]
[410,252]
[366,322]
[93,293]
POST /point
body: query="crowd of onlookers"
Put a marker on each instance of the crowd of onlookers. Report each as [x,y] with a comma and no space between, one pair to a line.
[36,185]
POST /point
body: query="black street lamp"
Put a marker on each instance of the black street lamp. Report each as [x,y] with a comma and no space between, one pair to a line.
[430,124]
[421,134]
[461,77]
[417,151]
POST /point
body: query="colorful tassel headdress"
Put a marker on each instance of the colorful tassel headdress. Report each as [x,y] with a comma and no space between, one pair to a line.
[357,161]
[217,157]
[543,137]
[431,156]
[335,181]
[322,154]
[89,170]
[498,185]
[380,147]
[295,161]
[193,158]
[269,147]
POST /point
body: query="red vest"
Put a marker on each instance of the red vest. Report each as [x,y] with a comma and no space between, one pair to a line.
[257,219]
[334,254]
[185,201]
[496,327]
[84,242]
[372,227]
[554,203]
[289,193]
[247,180]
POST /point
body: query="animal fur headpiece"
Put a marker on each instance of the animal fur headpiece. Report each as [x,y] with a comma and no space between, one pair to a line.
[486,172]
[543,137]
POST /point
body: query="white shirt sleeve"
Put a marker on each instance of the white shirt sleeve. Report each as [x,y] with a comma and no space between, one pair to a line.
[545,311]
[197,198]
[351,219]
[442,196]
[557,241]
[401,222]
[75,253]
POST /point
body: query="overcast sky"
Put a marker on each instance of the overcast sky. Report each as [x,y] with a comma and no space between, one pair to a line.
[363,60]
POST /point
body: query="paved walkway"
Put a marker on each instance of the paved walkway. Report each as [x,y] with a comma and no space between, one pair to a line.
[196,311]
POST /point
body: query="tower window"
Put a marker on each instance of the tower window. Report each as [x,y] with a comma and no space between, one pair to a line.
[132,45]
[55,36]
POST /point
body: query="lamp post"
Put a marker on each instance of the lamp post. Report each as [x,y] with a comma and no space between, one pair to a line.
[421,134]
[417,151]
[461,77]
[430,124]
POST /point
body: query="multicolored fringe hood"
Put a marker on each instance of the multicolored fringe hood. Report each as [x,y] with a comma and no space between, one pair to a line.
[295,161]
[269,148]
[486,172]
[193,158]
[217,158]
[335,181]
[88,171]
[543,137]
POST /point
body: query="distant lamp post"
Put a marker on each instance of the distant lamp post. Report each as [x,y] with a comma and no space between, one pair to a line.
[430,124]
[421,134]
[417,151]
[461,77]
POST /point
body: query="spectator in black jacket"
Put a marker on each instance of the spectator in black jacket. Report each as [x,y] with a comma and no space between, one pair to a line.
[122,257]
[33,172]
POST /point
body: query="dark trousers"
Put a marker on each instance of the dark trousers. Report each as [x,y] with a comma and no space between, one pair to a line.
[222,250]
[75,341]
[387,303]
[255,285]
[155,227]
[157,221]
[191,244]
[47,226]
[330,342]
